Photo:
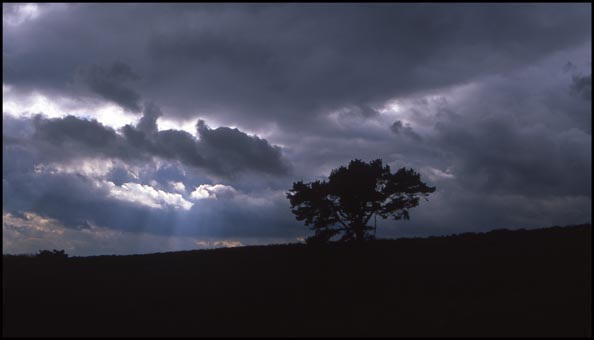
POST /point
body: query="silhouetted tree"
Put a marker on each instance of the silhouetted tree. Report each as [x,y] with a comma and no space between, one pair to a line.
[352,195]
[52,255]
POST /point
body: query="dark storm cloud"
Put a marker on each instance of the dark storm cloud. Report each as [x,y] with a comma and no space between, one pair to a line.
[245,63]
[495,155]
[361,55]
[583,86]
[399,128]
[80,200]
[511,150]
[492,106]
[148,121]
[222,151]
[524,134]
[236,146]
[109,83]
[71,137]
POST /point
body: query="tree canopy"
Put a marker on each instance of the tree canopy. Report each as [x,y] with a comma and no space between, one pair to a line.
[352,195]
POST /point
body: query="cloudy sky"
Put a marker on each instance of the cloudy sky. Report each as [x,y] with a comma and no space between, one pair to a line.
[153,127]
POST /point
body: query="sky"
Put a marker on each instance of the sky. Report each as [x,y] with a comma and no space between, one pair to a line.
[138,128]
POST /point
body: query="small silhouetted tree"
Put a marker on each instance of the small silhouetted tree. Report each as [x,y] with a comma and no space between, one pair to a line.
[52,255]
[352,195]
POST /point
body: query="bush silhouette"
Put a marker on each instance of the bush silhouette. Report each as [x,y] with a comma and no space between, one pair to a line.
[352,196]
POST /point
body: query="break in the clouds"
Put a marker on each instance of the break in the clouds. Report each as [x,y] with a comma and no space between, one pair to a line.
[184,124]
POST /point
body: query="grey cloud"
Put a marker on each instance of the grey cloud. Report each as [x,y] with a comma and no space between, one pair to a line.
[173,144]
[524,134]
[368,112]
[333,68]
[119,176]
[249,63]
[76,136]
[76,202]
[495,155]
[583,86]
[399,128]
[148,122]
[16,129]
[235,147]
[223,151]
[513,150]
[491,111]
[458,210]
[109,82]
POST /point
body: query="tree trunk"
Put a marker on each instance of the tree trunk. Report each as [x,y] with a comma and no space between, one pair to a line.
[359,233]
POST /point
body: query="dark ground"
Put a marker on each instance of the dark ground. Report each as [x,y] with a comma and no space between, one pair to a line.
[502,283]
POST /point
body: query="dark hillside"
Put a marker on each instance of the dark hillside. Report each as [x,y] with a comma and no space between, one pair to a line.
[501,283]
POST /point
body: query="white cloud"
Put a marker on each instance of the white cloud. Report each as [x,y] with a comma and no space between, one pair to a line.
[178,186]
[19,14]
[261,199]
[19,105]
[146,195]
[207,191]
[171,124]
[99,170]
[435,174]
[32,222]
[88,167]
[112,115]
[27,106]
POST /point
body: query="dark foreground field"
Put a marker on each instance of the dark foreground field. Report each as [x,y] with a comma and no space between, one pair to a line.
[503,283]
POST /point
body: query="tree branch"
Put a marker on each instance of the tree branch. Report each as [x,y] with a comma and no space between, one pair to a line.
[368,217]
[339,220]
